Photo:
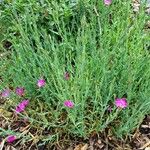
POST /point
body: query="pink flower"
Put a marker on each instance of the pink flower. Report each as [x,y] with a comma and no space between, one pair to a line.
[11,138]
[121,102]
[66,76]
[6,93]
[41,83]
[69,103]
[107,2]
[21,106]
[20,91]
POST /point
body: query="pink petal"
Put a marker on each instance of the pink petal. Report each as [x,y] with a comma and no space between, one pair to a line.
[21,106]
[19,109]
[11,138]
[6,93]
[107,2]
[66,76]
[69,104]
[41,83]
[25,102]
[121,102]
[20,91]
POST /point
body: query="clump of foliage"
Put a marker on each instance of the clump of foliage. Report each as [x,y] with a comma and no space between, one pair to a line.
[102,50]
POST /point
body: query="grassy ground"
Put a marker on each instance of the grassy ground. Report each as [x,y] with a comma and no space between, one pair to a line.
[104,50]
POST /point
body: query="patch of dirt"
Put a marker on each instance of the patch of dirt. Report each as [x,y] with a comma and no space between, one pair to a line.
[140,140]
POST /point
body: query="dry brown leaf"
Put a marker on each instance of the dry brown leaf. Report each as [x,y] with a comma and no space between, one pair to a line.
[8,147]
[2,145]
[78,147]
[69,148]
[99,141]
[144,126]
[22,129]
[147,148]
[91,147]
[85,147]
[145,145]
[12,148]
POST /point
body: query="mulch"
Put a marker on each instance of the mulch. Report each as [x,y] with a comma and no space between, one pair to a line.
[139,140]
